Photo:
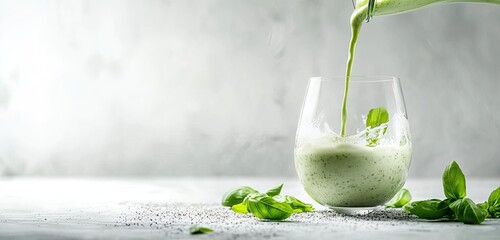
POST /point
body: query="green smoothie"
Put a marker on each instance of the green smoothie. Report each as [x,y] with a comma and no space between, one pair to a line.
[343,173]
[338,170]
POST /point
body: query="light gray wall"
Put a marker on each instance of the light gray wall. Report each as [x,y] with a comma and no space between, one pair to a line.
[213,87]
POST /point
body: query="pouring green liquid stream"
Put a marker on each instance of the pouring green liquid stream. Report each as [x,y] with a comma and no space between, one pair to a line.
[365,11]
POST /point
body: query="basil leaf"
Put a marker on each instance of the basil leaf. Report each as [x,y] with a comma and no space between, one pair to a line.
[266,207]
[454,182]
[494,203]
[428,209]
[199,230]
[236,196]
[468,212]
[483,206]
[297,205]
[446,205]
[240,208]
[400,199]
[274,191]
[376,117]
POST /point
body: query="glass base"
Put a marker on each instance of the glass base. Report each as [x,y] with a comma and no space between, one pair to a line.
[354,210]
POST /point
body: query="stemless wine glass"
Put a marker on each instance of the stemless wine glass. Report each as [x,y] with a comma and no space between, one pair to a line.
[365,168]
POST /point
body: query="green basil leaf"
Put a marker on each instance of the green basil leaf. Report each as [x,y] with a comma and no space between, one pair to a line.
[199,230]
[297,205]
[274,191]
[400,199]
[484,205]
[494,212]
[428,209]
[376,117]
[265,207]
[494,203]
[454,182]
[494,198]
[236,196]
[240,208]
[468,212]
[445,204]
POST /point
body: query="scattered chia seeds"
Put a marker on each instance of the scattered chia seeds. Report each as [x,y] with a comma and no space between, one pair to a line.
[175,220]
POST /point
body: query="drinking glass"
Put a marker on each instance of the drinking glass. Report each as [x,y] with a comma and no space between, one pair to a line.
[365,168]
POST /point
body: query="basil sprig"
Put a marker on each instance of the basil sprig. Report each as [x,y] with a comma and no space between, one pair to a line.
[269,205]
[456,206]
[375,118]
[400,199]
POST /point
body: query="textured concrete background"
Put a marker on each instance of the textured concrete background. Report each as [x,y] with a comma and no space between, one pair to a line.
[214,87]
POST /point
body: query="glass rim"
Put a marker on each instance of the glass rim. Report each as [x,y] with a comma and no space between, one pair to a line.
[356,79]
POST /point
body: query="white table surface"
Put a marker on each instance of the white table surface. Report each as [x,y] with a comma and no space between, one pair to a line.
[165,208]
